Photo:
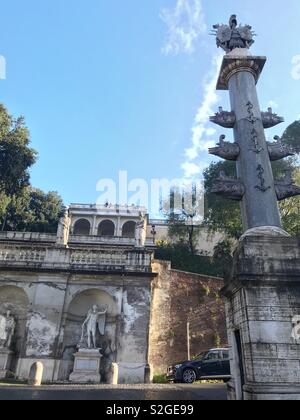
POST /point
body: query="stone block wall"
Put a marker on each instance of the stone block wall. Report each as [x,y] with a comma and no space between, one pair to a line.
[263,305]
[179,298]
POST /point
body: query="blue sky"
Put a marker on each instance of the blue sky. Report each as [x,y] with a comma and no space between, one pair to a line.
[110,85]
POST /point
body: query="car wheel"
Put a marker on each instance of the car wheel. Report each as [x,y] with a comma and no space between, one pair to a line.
[189,376]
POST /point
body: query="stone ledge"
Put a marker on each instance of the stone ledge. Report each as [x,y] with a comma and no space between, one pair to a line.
[264,261]
[271,391]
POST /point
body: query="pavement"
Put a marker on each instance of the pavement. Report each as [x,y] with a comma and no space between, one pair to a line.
[153,392]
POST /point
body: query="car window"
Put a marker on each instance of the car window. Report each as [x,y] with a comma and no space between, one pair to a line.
[225,354]
[212,356]
[200,356]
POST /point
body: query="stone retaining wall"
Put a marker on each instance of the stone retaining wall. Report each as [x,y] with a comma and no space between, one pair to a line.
[179,298]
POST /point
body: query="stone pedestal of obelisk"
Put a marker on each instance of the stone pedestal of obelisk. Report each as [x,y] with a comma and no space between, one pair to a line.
[263,291]
[263,308]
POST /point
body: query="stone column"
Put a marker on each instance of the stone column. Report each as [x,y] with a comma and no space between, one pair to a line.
[94,226]
[118,231]
[239,75]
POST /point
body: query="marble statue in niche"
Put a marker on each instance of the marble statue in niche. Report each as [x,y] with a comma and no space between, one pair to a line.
[7,330]
[95,320]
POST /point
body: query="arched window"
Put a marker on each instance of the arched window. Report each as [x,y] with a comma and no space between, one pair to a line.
[106,228]
[128,230]
[82,227]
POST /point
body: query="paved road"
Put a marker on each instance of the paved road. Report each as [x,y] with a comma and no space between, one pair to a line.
[117,393]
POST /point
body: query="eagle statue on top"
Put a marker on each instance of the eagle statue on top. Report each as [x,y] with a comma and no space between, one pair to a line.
[233,36]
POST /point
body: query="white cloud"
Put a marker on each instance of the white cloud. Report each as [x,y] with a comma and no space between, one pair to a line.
[296,67]
[185,25]
[191,170]
[273,104]
[2,68]
[200,130]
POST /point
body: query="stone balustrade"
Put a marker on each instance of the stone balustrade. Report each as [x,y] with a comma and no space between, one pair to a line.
[92,239]
[27,236]
[110,209]
[73,239]
[51,257]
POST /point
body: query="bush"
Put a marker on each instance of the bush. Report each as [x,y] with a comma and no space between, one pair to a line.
[182,259]
[160,379]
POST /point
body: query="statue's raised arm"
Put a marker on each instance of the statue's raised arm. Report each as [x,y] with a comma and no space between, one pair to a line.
[103,311]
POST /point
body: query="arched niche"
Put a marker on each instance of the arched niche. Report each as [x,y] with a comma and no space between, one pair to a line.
[15,299]
[74,318]
[82,227]
[106,228]
[128,230]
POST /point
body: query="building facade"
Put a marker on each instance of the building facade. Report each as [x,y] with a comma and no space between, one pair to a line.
[101,255]
[50,282]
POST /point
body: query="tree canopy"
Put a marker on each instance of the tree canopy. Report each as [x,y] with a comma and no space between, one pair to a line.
[22,207]
[183,210]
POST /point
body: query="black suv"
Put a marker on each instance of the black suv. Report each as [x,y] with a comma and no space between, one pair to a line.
[213,364]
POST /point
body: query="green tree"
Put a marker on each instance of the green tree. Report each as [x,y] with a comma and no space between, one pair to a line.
[45,209]
[223,257]
[183,211]
[290,210]
[21,206]
[291,136]
[221,214]
[182,259]
[16,157]
[34,211]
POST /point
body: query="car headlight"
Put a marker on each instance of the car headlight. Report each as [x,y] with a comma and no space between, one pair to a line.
[178,366]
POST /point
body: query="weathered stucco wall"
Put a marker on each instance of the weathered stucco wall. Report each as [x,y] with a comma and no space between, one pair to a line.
[50,309]
[179,298]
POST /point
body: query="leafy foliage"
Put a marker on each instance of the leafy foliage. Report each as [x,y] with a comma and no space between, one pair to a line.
[183,210]
[221,214]
[223,257]
[16,157]
[182,259]
[34,211]
[21,206]
[291,136]
[160,379]
[290,211]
